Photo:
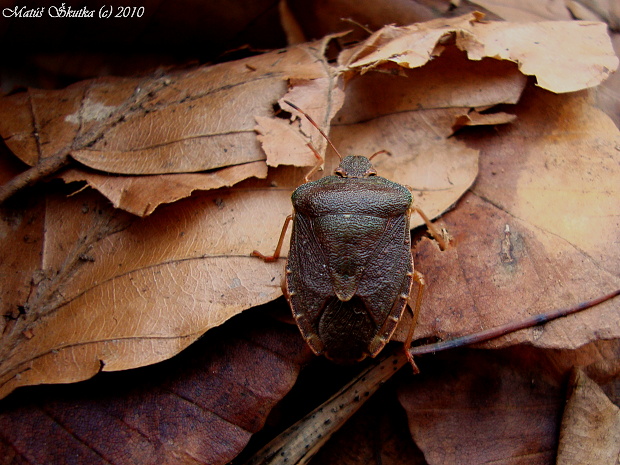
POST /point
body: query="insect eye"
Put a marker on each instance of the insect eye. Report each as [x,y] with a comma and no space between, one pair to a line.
[370,173]
[340,172]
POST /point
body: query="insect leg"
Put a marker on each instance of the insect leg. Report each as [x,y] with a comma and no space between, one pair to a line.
[276,253]
[316,167]
[431,228]
[418,278]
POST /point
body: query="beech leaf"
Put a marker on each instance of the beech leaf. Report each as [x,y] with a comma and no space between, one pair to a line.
[192,409]
[564,56]
[101,290]
[140,195]
[539,223]
[183,122]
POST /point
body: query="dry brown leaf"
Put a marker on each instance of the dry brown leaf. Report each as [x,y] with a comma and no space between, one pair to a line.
[590,425]
[207,116]
[184,122]
[600,360]
[282,142]
[92,288]
[564,56]
[200,407]
[540,224]
[474,407]
[140,195]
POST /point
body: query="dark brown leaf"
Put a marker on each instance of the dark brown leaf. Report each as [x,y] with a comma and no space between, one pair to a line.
[479,407]
[200,407]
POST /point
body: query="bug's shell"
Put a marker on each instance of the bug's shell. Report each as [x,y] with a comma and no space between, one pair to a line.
[350,269]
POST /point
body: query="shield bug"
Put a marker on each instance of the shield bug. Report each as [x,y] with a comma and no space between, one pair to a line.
[350,269]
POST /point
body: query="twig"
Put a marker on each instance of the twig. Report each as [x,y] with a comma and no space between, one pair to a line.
[508,328]
[299,443]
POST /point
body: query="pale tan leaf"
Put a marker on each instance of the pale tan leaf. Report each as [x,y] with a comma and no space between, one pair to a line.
[563,56]
[539,230]
[283,142]
[209,116]
[590,426]
[182,122]
[447,82]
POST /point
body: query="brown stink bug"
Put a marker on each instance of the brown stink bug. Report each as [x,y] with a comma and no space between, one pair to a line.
[350,268]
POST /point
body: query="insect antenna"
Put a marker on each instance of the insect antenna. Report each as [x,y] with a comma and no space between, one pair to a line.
[379,153]
[315,125]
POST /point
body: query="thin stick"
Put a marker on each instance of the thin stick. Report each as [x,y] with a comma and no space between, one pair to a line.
[508,328]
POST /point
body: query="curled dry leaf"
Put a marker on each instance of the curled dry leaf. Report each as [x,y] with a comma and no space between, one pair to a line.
[206,116]
[189,122]
[564,56]
[140,195]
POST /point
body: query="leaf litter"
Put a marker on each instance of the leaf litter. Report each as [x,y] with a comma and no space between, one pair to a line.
[143,260]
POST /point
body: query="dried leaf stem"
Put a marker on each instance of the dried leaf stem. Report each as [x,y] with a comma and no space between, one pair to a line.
[298,444]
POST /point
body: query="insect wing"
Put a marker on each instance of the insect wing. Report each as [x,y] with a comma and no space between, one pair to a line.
[384,296]
[308,284]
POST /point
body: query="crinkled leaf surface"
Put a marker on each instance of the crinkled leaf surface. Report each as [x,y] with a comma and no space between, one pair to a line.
[184,122]
[541,49]
[94,288]
[140,195]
